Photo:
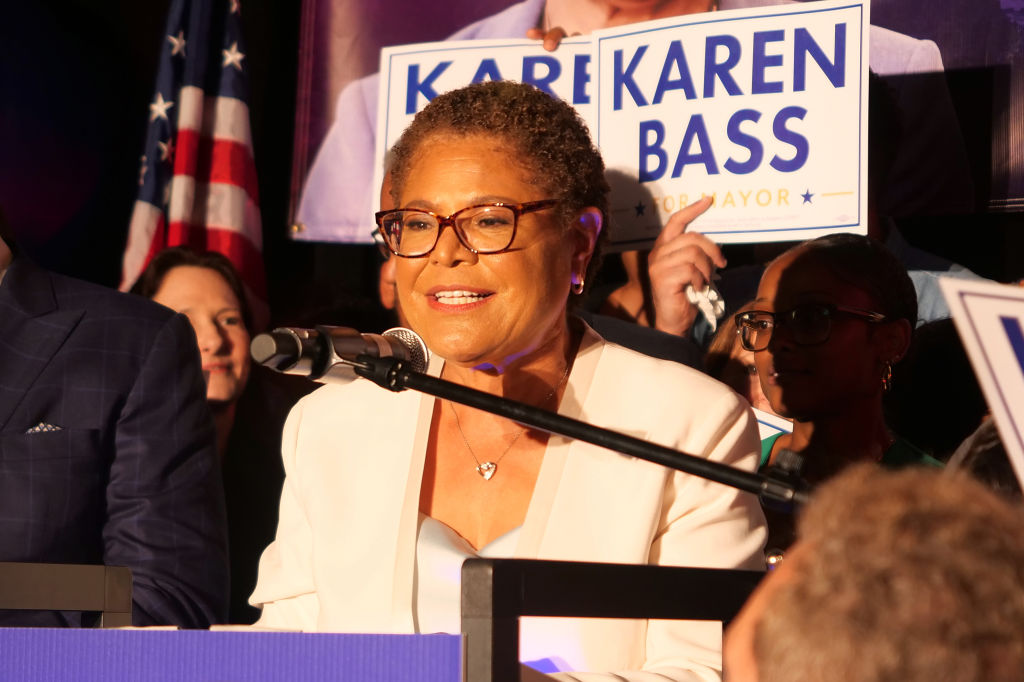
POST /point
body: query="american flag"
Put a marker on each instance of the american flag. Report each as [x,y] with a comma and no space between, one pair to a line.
[197,178]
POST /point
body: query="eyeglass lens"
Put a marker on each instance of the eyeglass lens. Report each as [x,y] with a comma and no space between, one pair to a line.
[482,228]
[808,324]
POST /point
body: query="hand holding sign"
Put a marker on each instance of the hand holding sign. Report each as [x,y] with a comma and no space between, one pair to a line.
[680,259]
[552,37]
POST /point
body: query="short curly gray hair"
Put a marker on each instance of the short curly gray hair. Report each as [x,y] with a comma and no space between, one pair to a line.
[545,135]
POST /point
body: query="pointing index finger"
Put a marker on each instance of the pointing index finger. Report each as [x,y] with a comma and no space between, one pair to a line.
[679,221]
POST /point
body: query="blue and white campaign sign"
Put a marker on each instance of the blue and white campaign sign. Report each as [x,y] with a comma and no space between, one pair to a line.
[769,424]
[990,320]
[766,110]
[763,108]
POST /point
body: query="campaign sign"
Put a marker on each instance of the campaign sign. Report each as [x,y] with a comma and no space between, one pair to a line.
[769,424]
[990,320]
[765,110]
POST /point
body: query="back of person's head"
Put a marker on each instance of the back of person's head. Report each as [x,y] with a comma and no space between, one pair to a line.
[909,576]
[866,264]
[152,277]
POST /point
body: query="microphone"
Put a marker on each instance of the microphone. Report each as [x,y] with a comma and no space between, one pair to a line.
[328,354]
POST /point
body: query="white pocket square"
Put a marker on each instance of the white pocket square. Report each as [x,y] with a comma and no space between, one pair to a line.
[43,427]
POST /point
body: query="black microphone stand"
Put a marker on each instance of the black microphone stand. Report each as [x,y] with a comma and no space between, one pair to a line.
[395,375]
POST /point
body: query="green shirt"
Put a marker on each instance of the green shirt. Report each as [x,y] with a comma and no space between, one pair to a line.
[902,453]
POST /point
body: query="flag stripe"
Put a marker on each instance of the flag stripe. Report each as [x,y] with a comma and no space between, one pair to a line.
[219,117]
[221,206]
[147,221]
[220,161]
[217,205]
[243,255]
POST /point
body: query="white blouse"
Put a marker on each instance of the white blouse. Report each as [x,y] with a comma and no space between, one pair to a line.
[437,580]
[437,583]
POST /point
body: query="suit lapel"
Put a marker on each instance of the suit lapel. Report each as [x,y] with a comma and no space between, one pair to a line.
[408,526]
[584,492]
[32,329]
[383,482]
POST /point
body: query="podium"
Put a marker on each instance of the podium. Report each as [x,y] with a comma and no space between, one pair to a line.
[495,594]
[89,655]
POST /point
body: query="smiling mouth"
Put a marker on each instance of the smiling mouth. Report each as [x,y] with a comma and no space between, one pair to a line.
[459,297]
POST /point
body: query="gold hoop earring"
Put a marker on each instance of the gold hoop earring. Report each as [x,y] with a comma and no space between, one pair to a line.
[887,376]
[577,284]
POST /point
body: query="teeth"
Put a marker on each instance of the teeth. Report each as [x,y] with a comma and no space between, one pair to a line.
[457,297]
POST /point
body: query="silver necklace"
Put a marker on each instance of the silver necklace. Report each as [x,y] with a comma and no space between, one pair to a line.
[488,469]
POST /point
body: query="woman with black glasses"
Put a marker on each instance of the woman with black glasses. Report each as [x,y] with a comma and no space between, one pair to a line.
[832,319]
[499,199]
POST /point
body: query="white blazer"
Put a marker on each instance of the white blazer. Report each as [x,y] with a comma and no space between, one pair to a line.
[344,556]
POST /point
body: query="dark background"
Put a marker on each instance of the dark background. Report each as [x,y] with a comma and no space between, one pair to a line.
[76,78]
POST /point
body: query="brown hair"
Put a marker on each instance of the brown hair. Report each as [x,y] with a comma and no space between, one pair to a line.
[911,576]
[152,277]
[720,349]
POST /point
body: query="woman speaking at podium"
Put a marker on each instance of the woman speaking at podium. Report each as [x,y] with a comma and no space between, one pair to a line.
[501,202]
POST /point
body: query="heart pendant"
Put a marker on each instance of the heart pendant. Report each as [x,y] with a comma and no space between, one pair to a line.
[487,470]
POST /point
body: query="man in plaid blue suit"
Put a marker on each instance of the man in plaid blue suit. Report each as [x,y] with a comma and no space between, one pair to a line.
[107,449]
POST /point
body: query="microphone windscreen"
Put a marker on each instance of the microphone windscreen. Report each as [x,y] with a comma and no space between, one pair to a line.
[418,355]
